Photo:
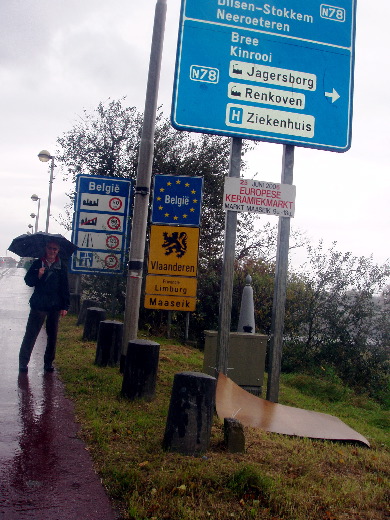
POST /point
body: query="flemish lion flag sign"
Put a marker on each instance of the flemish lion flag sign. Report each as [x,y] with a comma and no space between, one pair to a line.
[173,250]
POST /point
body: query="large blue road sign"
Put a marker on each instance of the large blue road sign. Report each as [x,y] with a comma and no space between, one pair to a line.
[101,224]
[276,71]
[177,200]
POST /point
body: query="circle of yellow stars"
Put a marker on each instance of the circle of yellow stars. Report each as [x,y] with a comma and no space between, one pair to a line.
[194,200]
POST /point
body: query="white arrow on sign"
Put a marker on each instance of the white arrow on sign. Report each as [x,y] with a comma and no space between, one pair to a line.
[334,95]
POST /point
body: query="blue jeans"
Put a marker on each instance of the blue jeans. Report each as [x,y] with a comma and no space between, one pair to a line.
[35,322]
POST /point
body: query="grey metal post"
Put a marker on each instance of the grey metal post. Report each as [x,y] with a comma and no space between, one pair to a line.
[144,175]
[169,323]
[36,222]
[187,326]
[35,198]
[280,285]
[49,197]
[225,303]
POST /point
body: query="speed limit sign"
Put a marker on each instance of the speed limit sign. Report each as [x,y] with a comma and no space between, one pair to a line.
[111,261]
[112,242]
[115,204]
[114,223]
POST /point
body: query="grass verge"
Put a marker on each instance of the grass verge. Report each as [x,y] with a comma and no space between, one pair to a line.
[277,478]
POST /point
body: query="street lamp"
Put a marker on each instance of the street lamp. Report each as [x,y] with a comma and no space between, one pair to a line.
[45,156]
[30,226]
[35,198]
[33,215]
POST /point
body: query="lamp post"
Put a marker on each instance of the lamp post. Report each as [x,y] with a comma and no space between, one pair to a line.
[33,215]
[45,156]
[35,198]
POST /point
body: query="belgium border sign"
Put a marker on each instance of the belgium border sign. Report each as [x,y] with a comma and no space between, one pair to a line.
[275,71]
[100,224]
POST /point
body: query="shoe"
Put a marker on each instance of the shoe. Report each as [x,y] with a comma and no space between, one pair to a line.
[48,368]
[23,370]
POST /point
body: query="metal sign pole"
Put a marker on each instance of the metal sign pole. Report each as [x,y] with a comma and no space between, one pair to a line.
[225,304]
[49,197]
[279,302]
[144,175]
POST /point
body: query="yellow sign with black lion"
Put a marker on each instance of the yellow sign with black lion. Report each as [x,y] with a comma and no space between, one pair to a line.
[173,250]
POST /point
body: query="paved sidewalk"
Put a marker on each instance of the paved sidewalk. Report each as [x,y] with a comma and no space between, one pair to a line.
[46,472]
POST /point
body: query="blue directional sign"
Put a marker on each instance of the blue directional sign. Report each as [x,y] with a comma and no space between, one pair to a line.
[101,224]
[277,71]
[177,200]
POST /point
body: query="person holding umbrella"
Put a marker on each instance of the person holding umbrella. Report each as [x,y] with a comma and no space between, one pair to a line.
[50,300]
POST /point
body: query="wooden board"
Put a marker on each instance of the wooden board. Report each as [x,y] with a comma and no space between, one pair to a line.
[232,401]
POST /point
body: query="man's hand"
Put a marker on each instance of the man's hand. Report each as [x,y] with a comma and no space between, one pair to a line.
[41,272]
[63,313]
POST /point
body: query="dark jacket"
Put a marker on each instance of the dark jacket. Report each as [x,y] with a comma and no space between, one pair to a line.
[52,290]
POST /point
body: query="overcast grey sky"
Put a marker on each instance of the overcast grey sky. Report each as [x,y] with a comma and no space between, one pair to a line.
[57,58]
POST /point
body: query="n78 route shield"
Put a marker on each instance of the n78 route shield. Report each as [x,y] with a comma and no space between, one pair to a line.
[276,71]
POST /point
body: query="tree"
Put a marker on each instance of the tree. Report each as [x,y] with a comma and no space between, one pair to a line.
[339,320]
[106,141]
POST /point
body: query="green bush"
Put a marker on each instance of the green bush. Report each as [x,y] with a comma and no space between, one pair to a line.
[249,481]
[327,386]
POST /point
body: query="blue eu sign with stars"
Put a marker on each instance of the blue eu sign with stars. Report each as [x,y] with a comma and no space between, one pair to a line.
[177,200]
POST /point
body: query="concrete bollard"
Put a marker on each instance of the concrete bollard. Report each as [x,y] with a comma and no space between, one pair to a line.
[234,435]
[246,321]
[92,321]
[109,343]
[83,310]
[75,296]
[74,307]
[190,415]
[140,374]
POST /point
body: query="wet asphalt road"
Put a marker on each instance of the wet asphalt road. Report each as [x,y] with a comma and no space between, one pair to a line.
[45,471]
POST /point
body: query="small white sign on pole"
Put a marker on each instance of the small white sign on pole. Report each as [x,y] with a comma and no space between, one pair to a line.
[267,198]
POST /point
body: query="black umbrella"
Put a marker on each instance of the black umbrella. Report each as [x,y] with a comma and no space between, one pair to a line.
[33,246]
